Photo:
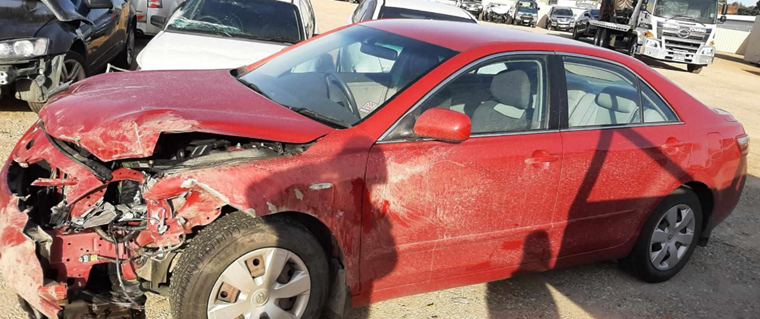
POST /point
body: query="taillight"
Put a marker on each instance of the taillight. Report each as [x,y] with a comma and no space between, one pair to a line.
[743,142]
[154,4]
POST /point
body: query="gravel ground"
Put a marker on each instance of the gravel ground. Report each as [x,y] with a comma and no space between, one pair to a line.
[722,280]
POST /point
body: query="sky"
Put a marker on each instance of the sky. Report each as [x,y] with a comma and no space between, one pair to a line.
[745,2]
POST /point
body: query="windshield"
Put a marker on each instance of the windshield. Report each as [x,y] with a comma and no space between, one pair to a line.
[402,13]
[702,11]
[563,12]
[526,10]
[594,13]
[341,78]
[265,20]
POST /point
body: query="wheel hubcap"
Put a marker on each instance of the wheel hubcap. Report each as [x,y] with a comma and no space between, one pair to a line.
[270,283]
[72,71]
[672,237]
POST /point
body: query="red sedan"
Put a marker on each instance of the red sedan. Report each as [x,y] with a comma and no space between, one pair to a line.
[384,159]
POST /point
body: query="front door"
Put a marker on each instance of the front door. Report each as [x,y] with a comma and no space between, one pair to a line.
[441,210]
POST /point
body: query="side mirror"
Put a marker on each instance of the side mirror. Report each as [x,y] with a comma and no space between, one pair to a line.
[725,9]
[444,125]
[99,4]
[722,19]
[644,3]
[158,21]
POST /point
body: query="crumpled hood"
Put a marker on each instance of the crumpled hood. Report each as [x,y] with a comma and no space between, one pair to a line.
[22,18]
[121,115]
[183,51]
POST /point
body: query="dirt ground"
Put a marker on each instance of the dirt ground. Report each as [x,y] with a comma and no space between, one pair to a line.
[721,280]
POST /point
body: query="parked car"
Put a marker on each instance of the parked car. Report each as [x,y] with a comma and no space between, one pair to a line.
[145,9]
[408,9]
[524,12]
[217,34]
[265,189]
[48,43]
[496,11]
[560,18]
[474,7]
[582,27]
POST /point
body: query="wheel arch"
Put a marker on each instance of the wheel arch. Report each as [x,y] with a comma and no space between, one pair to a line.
[707,203]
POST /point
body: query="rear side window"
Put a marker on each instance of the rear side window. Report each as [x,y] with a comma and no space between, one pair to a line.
[655,109]
[600,94]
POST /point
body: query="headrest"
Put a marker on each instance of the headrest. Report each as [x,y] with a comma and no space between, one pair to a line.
[512,87]
[619,99]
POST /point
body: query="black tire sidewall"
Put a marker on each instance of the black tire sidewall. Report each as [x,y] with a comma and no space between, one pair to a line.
[641,264]
[270,235]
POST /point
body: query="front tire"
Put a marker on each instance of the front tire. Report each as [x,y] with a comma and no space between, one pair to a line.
[246,266]
[668,238]
[73,71]
[696,69]
[575,33]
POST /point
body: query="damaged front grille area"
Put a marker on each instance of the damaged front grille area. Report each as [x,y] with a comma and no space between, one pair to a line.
[90,221]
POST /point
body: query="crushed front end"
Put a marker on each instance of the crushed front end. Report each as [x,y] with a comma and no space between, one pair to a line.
[80,238]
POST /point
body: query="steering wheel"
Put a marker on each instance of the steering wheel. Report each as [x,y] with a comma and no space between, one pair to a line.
[210,19]
[332,79]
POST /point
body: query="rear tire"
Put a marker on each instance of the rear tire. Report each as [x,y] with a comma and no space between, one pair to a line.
[127,56]
[575,33]
[642,261]
[225,244]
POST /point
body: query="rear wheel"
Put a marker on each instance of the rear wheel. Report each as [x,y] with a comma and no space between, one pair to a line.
[575,33]
[668,238]
[244,267]
[633,47]
[126,57]
[72,71]
[694,68]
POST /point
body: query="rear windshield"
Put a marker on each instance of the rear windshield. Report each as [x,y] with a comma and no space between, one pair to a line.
[401,13]
[594,13]
[264,20]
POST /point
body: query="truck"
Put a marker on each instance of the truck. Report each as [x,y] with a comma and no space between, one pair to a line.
[678,31]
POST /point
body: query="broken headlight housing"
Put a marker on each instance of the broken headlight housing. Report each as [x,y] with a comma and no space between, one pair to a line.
[25,48]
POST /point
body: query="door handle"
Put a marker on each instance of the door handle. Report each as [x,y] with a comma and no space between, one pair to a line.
[540,159]
[672,144]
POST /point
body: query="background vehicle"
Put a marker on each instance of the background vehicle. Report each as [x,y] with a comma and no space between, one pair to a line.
[293,187]
[524,12]
[560,18]
[680,31]
[474,7]
[145,9]
[582,27]
[216,34]
[44,44]
[408,9]
[496,11]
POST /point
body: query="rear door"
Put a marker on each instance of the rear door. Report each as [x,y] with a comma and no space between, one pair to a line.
[624,150]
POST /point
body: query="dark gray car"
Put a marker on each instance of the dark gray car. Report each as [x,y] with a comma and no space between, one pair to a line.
[582,26]
[45,44]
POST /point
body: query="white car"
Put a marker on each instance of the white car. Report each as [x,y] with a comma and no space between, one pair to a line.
[145,9]
[409,9]
[226,34]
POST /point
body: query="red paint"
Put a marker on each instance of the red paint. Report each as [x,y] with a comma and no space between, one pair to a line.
[408,217]
[443,124]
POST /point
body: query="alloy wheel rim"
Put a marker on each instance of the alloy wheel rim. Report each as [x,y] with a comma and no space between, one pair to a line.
[72,71]
[672,237]
[271,283]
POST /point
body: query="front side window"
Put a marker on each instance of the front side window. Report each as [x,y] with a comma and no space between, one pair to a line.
[332,78]
[251,19]
[600,94]
[504,95]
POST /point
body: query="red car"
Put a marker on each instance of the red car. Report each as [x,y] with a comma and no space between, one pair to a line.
[384,159]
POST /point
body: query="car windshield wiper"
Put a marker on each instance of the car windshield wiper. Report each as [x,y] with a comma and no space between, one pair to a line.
[324,119]
[273,39]
[256,89]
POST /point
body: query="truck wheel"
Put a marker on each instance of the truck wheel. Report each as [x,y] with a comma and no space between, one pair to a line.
[633,47]
[246,267]
[126,57]
[73,71]
[693,68]
[667,239]
[604,39]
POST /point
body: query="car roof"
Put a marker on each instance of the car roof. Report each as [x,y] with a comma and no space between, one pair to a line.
[460,36]
[429,6]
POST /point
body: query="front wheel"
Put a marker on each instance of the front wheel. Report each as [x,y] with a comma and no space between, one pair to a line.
[245,267]
[575,33]
[667,239]
[72,71]
[694,68]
